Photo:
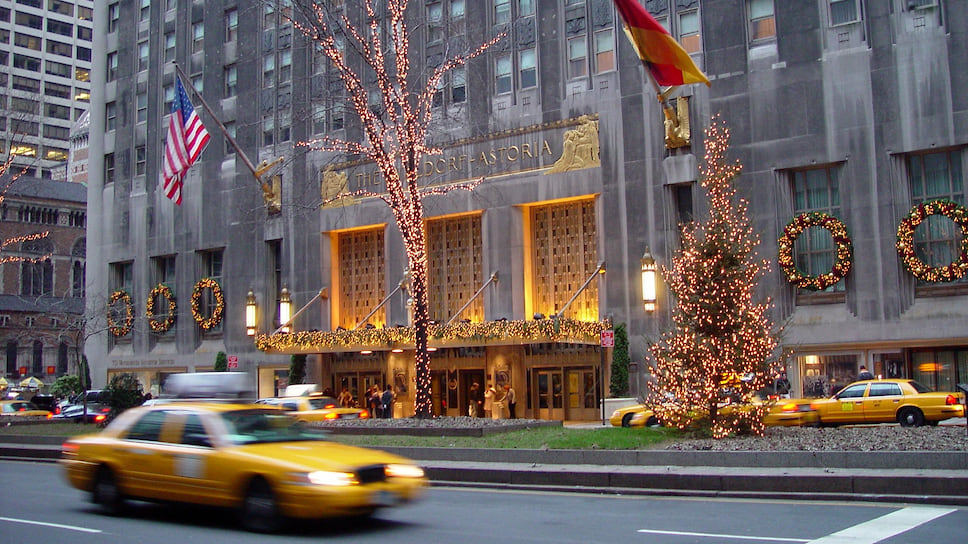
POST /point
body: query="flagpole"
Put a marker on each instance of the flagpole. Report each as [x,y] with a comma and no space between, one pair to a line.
[661,95]
[256,172]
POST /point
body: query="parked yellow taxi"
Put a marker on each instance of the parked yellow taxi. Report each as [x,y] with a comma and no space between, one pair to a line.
[884,401]
[782,413]
[22,408]
[315,408]
[252,458]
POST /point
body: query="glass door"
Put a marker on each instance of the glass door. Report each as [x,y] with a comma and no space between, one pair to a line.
[550,394]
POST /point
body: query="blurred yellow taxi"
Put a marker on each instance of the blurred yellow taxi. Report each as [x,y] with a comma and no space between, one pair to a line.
[885,401]
[252,458]
[623,417]
[782,413]
[315,408]
[22,408]
[791,413]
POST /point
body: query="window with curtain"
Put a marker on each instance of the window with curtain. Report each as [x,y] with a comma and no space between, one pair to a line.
[816,190]
[937,240]
[843,12]
[762,20]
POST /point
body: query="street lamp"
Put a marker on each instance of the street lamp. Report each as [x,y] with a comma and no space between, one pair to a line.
[285,310]
[250,318]
[648,281]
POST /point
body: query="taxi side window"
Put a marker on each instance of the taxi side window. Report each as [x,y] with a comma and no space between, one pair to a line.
[853,392]
[193,432]
[884,390]
[147,428]
[290,405]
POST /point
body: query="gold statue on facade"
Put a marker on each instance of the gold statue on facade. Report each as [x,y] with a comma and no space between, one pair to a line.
[332,186]
[580,148]
[677,133]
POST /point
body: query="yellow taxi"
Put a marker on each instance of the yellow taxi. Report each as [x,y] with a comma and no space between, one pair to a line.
[21,408]
[252,458]
[782,413]
[623,417]
[315,408]
[885,401]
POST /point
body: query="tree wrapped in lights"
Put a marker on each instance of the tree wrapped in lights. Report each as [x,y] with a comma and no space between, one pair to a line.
[395,130]
[9,174]
[721,347]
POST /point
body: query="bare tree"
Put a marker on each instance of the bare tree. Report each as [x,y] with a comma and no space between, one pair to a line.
[9,174]
[396,132]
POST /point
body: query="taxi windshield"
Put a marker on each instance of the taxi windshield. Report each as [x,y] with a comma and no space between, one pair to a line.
[261,426]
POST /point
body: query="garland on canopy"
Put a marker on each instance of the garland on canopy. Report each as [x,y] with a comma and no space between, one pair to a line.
[545,330]
[905,241]
[156,324]
[207,323]
[838,231]
[125,327]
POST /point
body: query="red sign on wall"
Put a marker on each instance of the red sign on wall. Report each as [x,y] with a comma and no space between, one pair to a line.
[608,338]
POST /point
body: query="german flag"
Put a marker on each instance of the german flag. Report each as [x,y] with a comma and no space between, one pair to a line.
[668,62]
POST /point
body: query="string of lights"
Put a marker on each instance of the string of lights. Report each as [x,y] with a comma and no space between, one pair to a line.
[720,348]
[396,134]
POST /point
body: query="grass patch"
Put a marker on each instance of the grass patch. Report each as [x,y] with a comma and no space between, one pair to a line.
[551,438]
[45,428]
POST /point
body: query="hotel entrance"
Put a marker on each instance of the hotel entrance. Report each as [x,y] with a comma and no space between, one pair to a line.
[548,392]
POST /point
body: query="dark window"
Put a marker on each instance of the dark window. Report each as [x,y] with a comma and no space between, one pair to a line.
[147,428]
[884,390]
[852,392]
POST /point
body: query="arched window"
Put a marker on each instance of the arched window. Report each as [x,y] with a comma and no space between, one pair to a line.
[38,358]
[37,277]
[62,359]
[12,358]
[79,269]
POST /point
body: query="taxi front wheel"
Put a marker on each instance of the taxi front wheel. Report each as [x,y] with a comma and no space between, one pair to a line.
[106,492]
[259,511]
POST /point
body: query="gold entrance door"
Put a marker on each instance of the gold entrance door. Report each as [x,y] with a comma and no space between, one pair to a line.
[549,391]
[582,394]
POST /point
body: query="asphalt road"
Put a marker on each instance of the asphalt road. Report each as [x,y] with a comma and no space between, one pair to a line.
[37,506]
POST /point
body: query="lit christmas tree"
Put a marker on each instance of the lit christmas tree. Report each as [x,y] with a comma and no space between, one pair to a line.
[722,346]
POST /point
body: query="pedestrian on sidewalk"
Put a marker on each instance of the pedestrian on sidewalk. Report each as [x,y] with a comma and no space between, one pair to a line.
[511,401]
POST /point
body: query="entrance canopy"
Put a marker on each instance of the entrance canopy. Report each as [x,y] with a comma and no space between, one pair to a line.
[489,333]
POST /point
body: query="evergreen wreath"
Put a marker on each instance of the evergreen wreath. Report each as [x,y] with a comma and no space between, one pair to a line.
[905,241]
[125,327]
[838,231]
[207,323]
[156,324]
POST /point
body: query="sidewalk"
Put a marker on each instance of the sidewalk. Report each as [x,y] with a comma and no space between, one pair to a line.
[909,477]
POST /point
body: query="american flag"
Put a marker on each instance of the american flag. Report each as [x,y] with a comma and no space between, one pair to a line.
[186,140]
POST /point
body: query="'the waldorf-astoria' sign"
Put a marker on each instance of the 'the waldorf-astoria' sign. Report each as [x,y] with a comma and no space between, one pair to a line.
[550,148]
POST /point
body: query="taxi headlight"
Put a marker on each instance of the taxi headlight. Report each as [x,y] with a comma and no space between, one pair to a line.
[322,477]
[404,471]
[615,413]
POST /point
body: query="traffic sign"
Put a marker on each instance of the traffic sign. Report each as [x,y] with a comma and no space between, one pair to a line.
[608,338]
[233,362]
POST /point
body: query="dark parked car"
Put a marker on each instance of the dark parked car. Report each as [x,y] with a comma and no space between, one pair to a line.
[46,402]
[95,413]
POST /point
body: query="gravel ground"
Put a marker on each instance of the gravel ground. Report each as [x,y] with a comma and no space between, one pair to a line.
[860,438]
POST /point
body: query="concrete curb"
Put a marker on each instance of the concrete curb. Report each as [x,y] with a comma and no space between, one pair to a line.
[912,477]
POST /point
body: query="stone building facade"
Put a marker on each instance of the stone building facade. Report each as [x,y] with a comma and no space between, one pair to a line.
[844,107]
[42,296]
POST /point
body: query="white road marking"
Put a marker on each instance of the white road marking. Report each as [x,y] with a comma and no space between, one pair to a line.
[869,532]
[55,525]
[884,527]
[721,536]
